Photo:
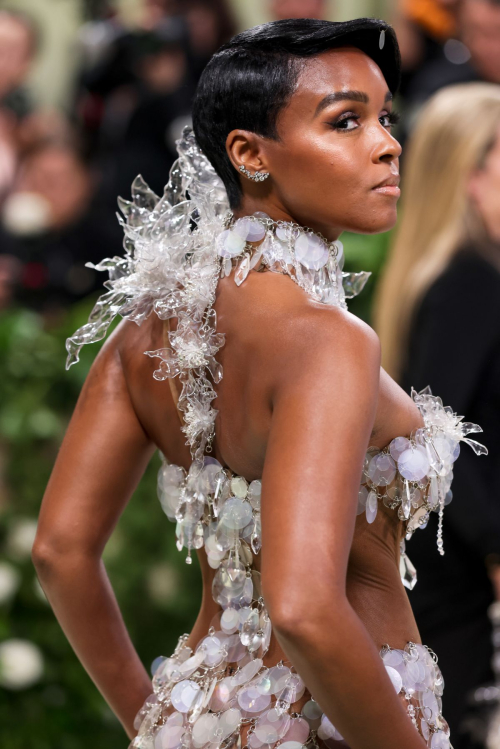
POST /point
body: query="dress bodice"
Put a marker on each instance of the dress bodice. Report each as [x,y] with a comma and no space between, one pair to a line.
[224,685]
[412,476]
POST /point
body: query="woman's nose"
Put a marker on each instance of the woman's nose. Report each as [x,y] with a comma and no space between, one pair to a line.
[387,148]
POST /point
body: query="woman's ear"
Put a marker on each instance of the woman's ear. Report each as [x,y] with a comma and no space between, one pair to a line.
[244,148]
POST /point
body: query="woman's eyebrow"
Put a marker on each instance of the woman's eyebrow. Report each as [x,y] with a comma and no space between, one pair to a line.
[346,96]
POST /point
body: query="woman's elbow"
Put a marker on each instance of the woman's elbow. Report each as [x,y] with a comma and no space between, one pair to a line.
[296,616]
[54,557]
[43,558]
[288,619]
[45,555]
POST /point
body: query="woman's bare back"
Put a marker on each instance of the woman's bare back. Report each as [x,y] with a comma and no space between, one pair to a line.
[266,313]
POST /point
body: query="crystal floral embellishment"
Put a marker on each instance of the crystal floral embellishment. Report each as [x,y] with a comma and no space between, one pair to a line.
[413,475]
[176,249]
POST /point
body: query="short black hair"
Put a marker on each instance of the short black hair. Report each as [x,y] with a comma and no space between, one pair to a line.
[251,78]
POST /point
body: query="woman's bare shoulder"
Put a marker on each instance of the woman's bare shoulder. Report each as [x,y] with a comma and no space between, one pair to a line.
[330,349]
[129,342]
[272,309]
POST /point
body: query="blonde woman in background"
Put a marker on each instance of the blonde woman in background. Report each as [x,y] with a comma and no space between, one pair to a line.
[438,317]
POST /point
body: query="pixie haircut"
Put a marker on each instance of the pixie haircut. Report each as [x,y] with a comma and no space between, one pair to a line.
[250,79]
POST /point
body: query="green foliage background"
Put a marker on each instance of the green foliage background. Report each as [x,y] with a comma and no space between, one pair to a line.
[37,395]
[158,593]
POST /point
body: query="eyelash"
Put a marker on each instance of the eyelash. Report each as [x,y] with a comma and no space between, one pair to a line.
[392,117]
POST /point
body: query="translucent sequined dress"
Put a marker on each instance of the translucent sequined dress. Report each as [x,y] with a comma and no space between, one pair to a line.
[176,249]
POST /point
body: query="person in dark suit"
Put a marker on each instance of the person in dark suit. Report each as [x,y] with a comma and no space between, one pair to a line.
[438,316]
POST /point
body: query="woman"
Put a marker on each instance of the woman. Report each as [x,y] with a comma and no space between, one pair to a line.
[438,316]
[294,117]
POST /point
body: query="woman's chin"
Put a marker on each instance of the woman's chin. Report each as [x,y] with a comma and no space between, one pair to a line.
[369,218]
[380,223]
[377,227]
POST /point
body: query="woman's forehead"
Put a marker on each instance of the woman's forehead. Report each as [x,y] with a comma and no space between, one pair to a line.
[340,69]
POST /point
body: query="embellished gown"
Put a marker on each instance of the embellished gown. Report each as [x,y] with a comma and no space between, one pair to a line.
[234,687]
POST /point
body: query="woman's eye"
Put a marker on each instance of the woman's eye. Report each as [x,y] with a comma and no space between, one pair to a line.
[389,119]
[348,123]
[351,121]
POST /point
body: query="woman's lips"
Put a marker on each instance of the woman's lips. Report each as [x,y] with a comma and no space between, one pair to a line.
[392,190]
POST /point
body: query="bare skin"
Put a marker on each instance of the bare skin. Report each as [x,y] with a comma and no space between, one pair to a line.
[301,399]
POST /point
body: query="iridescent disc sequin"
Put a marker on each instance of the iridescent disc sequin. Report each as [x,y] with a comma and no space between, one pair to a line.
[413,463]
[311,251]
[204,729]
[230,244]
[236,513]
[184,694]
[271,726]
[328,731]
[252,701]
[249,229]
[169,737]
[382,470]
[298,730]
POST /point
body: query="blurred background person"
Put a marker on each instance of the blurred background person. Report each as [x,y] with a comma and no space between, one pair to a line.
[143,140]
[280,9]
[18,43]
[438,317]
[445,42]
[423,27]
[135,90]
[129,99]
[480,32]
[210,24]
[49,229]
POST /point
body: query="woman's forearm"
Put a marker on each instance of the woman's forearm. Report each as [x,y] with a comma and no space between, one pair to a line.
[335,656]
[79,591]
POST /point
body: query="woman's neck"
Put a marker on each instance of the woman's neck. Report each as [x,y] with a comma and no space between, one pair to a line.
[276,211]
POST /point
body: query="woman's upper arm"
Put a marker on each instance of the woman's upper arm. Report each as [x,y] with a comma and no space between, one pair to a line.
[323,414]
[101,460]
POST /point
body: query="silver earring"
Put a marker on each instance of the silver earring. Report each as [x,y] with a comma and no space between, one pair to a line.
[257,177]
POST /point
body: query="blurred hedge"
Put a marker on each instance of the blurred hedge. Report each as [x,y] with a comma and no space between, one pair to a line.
[158,593]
